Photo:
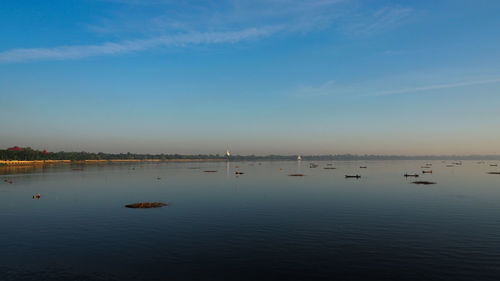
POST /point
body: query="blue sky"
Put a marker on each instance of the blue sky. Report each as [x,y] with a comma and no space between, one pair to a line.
[277,76]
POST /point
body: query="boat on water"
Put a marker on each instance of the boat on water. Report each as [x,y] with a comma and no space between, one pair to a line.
[299,158]
[352,176]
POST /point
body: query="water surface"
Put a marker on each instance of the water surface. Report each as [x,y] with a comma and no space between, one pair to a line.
[260,225]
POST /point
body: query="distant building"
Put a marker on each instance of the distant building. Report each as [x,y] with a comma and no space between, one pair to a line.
[15,148]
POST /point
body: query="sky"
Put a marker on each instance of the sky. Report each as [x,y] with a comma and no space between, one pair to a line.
[278,76]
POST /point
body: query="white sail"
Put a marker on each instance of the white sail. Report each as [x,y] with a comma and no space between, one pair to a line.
[299,158]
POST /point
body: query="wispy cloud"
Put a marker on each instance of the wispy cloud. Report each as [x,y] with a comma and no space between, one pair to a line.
[373,22]
[175,24]
[82,51]
[434,87]
[375,88]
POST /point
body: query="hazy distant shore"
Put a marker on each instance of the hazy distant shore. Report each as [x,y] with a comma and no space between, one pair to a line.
[26,156]
[18,163]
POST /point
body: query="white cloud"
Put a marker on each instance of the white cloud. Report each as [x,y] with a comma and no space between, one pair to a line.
[174,23]
[82,51]
[434,87]
[378,87]
[372,22]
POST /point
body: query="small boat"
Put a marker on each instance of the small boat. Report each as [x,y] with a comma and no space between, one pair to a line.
[494,165]
[362,167]
[494,173]
[299,158]
[36,196]
[296,175]
[238,173]
[210,171]
[411,175]
[329,168]
[427,172]
[352,176]
[312,165]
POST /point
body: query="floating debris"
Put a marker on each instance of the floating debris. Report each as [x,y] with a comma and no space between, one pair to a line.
[210,171]
[424,182]
[450,165]
[238,173]
[36,196]
[494,173]
[296,175]
[352,176]
[411,175]
[158,178]
[312,165]
[147,205]
[329,168]
[237,167]
[427,172]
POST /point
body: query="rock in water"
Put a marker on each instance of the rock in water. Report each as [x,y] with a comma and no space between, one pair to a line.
[424,182]
[146,205]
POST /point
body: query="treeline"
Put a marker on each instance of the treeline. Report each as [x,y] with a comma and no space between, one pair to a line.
[29,154]
[32,154]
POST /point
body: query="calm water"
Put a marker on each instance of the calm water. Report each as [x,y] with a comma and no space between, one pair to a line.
[263,225]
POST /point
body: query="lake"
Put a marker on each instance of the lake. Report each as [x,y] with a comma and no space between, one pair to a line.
[261,225]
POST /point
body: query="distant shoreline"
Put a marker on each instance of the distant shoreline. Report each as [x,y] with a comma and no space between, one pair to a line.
[19,156]
[34,163]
